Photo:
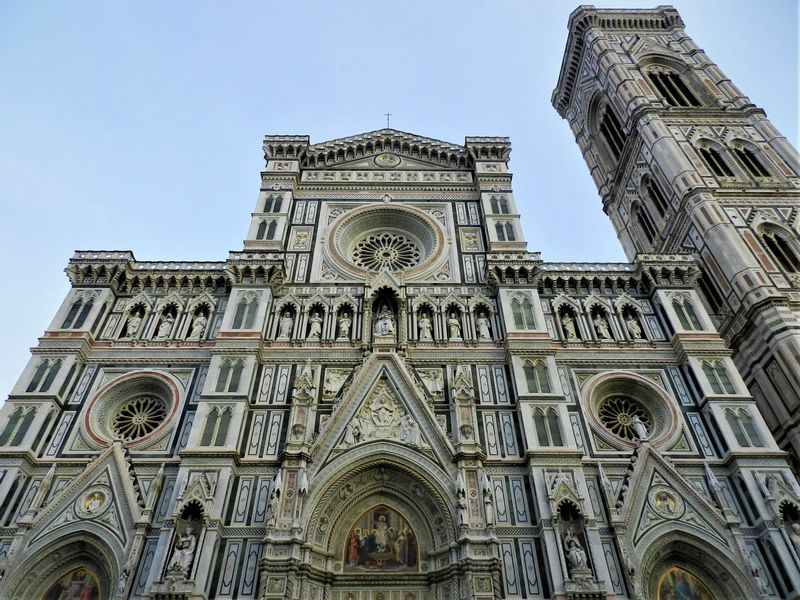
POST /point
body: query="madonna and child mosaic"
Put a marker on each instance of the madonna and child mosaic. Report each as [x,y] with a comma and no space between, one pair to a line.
[381,540]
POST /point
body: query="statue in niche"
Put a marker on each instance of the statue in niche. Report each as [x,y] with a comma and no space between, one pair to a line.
[354,432]
[576,555]
[568,323]
[198,327]
[133,324]
[344,327]
[184,552]
[425,328]
[794,536]
[165,327]
[601,327]
[461,501]
[315,331]
[488,505]
[454,325]
[285,326]
[482,323]
[639,428]
[384,325]
[634,329]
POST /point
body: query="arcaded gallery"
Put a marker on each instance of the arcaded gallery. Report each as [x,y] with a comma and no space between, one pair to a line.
[385,395]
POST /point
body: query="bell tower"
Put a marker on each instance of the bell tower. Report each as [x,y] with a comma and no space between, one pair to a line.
[685,163]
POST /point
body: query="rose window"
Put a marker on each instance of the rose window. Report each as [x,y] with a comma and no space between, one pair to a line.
[139,417]
[617,412]
[391,251]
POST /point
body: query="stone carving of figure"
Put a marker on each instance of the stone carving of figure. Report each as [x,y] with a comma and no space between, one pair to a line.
[425,334]
[94,502]
[315,331]
[409,431]
[272,508]
[639,428]
[354,432]
[165,327]
[576,555]
[184,552]
[569,326]
[482,323]
[198,327]
[134,322]
[433,381]
[455,327]
[634,329]
[285,326]
[488,505]
[384,325]
[601,327]
[344,327]
[794,536]
[463,515]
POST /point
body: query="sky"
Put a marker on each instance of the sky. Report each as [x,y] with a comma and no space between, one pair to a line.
[138,125]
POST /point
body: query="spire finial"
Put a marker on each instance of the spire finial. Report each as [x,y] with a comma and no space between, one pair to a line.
[387,115]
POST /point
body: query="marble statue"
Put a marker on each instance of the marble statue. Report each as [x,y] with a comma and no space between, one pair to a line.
[455,327]
[488,505]
[601,327]
[794,536]
[384,325]
[272,509]
[425,328]
[633,327]
[354,432]
[315,330]
[576,555]
[463,515]
[409,431]
[344,327]
[184,552]
[285,326]
[134,322]
[198,327]
[639,427]
[165,327]
[482,323]
[569,326]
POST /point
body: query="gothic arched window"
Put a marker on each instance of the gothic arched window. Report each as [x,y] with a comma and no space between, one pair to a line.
[17,426]
[510,235]
[686,314]
[612,132]
[548,429]
[501,233]
[499,205]
[77,314]
[781,250]
[273,225]
[262,230]
[218,422]
[714,161]
[743,428]
[523,313]
[245,315]
[717,377]
[749,162]
[536,376]
[644,223]
[230,373]
[44,376]
[671,87]
[657,199]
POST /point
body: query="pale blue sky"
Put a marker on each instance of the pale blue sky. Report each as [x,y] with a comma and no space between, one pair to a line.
[138,125]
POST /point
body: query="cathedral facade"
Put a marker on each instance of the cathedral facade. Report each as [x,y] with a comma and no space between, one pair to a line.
[385,396]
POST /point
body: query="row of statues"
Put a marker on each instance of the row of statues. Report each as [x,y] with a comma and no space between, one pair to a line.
[166,323]
[601,327]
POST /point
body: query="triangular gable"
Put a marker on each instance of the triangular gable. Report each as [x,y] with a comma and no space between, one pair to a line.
[657,495]
[104,496]
[384,385]
[647,46]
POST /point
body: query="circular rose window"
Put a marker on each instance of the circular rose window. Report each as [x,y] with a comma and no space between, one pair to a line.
[386,237]
[617,413]
[137,408]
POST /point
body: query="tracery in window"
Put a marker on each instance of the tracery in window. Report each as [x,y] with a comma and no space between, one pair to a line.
[780,249]
[215,432]
[644,222]
[536,376]
[246,309]
[714,161]
[749,161]
[547,426]
[139,416]
[78,313]
[522,310]
[717,377]
[18,424]
[686,314]
[266,230]
[743,427]
[671,87]
[499,205]
[230,374]
[617,415]
[273,203]
[44,376]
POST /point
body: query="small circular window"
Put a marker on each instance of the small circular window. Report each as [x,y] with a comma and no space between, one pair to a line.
[391,251]
[617,412]
[139,417]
